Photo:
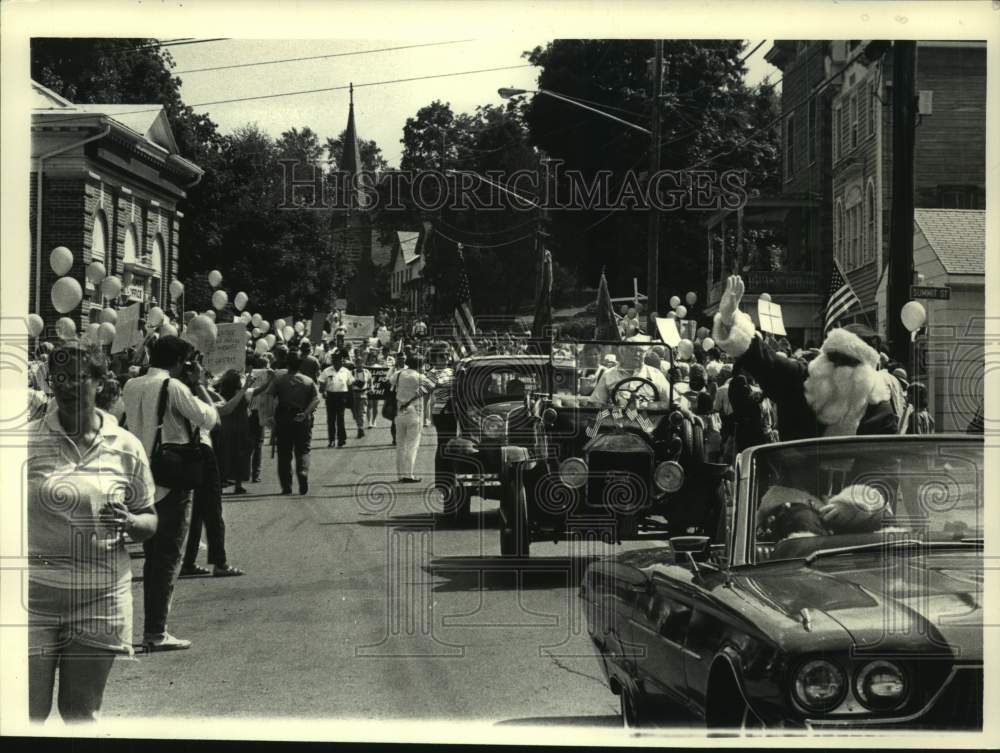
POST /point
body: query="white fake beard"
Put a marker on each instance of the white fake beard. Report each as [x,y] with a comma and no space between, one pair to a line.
[838,394]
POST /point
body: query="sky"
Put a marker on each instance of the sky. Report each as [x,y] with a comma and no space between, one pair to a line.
[381,110]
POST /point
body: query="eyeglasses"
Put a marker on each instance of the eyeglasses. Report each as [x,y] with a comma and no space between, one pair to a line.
[67,379]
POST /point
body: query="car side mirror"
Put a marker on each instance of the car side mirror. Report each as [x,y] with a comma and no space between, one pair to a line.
[690,550]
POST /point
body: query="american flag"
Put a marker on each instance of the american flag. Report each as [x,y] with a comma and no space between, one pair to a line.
[464,324]
[842,298]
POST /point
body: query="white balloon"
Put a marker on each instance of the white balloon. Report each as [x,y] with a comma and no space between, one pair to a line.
[913,315]
[61,260]
[108,315]
[240,300]
[288,332]
[681,312]
[245,317]
[256,332]
[261,346]
[685,348]
[106,333]
[210,314]
[765,296]
[708,343]
[66,328]
[176,289]
[279,325]
[219,299]
[270,340]
[201,332]
[111,287]
[35,325]
[691,298]
[256,319]
[168,329]
[214,278]
[264,325]
[66,294]
[674,301]
[154,317]
[93,329]
[96,272]
[300,327]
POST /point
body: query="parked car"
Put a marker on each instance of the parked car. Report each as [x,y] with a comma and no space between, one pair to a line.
[880,628]
[491,399]
[612,453]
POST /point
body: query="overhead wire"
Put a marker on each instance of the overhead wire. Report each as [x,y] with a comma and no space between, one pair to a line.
[320,57]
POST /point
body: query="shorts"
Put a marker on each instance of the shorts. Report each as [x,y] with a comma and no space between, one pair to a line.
[100,618]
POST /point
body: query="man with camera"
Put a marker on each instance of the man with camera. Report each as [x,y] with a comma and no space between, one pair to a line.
[174,377]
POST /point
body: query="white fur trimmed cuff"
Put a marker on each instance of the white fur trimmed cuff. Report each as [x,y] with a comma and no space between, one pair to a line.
[734,340]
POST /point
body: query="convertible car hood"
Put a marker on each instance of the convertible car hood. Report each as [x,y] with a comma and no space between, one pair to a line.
[929,602]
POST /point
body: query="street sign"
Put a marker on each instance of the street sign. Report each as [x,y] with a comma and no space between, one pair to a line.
[924,291]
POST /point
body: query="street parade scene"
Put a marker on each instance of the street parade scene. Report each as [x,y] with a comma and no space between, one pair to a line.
[618,386]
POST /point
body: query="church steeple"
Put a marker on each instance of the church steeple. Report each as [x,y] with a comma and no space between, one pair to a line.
[350,160]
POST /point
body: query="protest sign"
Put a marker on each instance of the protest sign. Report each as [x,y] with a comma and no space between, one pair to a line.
[127,328]
[378,387]
[667,327]
[357,327]
[230,351]
[769,316]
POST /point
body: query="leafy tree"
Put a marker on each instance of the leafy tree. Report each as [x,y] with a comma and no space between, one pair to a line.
[711,120]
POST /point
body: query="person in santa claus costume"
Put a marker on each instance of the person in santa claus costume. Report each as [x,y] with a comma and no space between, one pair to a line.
[837,393]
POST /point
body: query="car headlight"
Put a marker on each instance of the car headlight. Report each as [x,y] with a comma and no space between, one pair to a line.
[493,426]
[819,685]
[573,472]
[669,476]
[881,685]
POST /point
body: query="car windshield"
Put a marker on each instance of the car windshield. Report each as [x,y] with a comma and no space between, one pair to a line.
[619,372]
[928,489]
[482,384]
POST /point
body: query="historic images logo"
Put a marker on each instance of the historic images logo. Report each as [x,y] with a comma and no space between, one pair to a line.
[309,187]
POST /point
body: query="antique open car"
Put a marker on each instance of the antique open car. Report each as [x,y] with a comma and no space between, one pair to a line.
[606,457]
[490,400]
[874,628]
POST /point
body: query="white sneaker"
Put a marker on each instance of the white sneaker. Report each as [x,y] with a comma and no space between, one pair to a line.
[165,642]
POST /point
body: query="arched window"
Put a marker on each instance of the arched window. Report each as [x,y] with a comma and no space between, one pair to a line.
[131,245]
[99,241]
[870,229]
[159,264]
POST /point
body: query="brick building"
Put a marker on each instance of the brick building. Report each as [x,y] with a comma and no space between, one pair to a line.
[111,181]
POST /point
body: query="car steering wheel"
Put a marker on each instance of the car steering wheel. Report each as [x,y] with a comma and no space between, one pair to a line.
[642,380]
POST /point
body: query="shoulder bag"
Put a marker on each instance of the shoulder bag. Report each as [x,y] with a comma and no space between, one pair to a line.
[176,466]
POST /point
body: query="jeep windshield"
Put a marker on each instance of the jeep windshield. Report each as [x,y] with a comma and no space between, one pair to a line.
[498,381]
[925,488]
[621,374]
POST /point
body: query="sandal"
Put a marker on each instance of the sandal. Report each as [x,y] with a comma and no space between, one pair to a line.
[193,570]
[227,571]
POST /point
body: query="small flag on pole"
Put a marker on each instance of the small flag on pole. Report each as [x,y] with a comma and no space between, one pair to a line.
[464,324]
[841,298]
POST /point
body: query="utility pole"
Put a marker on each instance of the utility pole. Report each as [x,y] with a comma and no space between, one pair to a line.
[904,56]
[541,216]
[653,243]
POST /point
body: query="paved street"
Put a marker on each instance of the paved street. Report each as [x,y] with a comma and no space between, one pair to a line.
[356,605]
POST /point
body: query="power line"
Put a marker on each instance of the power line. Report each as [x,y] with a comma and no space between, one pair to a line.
[320,57]
[313,91]
[358,86]
[759,45]
[481,246]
